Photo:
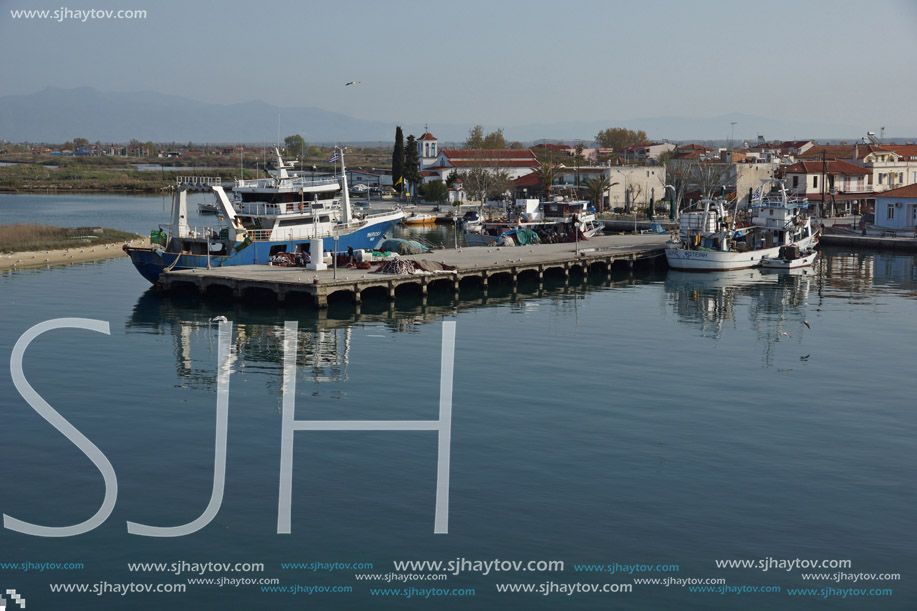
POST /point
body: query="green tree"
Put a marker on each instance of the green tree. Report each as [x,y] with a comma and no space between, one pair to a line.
[483,184]
[80,142]
[295,145]
[475,139]
[619,138]
[478,140]
[546,173]
[495,140]
[411,162]
[436,191]
[398,160]
[595,190]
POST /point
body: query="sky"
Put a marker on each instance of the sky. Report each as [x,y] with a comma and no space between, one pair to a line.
[496,62]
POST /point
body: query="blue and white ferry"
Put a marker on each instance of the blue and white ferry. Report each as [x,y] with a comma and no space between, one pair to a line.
[283,213]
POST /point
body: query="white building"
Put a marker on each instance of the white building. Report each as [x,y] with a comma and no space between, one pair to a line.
[515,162]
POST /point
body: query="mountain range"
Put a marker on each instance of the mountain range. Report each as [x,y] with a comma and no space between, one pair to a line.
[56,115]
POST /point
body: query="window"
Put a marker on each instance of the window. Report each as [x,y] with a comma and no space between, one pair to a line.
[891,212]
[815,182]
[795,181]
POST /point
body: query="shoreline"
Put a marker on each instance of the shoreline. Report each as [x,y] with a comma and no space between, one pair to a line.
[86,254]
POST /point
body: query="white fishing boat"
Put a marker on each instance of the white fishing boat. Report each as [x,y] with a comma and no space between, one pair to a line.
[709,240]
[552,221]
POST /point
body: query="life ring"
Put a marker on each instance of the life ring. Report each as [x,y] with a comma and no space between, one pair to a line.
[301,207]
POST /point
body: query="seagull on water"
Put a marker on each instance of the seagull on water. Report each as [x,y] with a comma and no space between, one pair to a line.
[351,83]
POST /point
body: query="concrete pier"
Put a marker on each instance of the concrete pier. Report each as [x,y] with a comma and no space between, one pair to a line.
[479,266]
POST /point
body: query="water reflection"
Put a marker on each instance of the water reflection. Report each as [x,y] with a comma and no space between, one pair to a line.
[862,276]
[710,301]
[325,336]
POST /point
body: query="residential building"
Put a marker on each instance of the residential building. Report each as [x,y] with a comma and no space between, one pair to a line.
[897,208]
[890,165]
[642,153]
[834,186]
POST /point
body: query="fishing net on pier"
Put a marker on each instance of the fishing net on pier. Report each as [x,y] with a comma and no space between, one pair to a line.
[405,266]
[404,247]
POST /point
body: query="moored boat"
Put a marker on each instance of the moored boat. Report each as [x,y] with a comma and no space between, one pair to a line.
[709,240]
[552,222]
[790,257]
[281,214]
[419,218]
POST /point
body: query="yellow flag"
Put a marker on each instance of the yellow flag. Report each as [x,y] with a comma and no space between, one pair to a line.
[400,179]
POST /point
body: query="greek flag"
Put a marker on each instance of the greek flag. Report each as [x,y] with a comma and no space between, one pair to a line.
[334,157]
[757,193]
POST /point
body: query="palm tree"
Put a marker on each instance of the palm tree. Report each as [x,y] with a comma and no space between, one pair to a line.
[595,189]
[546,173]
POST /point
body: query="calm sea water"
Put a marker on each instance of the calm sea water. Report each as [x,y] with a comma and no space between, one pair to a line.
[660,419]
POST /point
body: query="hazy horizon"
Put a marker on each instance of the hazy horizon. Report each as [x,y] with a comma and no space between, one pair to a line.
[498,64]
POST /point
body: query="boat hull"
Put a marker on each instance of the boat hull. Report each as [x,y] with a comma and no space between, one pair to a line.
[684,259]
[151,262]
[419,219]
[779,264]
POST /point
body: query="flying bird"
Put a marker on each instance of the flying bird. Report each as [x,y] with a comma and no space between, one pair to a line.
[806,323]
[351,83]
[784,333]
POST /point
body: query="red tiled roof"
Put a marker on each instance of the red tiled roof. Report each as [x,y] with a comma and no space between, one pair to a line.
[831,167]
[494,163]
[843,151]
[552,147]
[489,154]
[529,180]
[793,144]
[908,151]
[427,136]
[908,191]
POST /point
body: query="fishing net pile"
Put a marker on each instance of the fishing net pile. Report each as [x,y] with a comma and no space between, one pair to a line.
[404,247]
[405,266]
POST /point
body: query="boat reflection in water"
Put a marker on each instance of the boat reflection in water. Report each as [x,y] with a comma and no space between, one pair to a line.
[322,355]
[775,304]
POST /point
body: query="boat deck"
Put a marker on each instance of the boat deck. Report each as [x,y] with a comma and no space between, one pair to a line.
[473,265]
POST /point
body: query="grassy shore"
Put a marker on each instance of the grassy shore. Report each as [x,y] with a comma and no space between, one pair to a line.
[32,237]
[85,178]
[32,174]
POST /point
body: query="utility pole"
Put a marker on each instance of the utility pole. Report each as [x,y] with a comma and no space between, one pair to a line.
[818,210]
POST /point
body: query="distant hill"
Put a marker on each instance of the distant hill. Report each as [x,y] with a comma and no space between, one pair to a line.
[57,115]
